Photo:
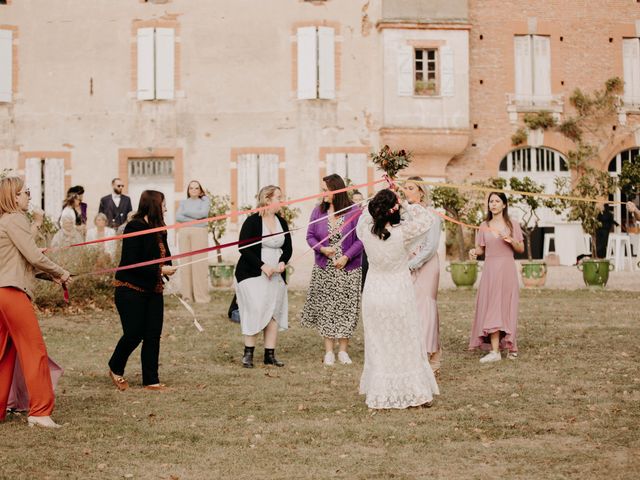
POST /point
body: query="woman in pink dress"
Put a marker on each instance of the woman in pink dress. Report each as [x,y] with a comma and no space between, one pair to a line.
[496,320]
[425,273]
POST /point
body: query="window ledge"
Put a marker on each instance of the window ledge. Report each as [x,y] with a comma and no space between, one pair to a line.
[521,104]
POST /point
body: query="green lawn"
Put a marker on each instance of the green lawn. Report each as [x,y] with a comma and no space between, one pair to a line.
[568,408]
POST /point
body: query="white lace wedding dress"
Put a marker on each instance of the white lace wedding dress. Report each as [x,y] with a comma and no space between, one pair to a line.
[396,369]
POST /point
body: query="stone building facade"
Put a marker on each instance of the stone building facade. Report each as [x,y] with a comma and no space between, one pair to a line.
[250,92]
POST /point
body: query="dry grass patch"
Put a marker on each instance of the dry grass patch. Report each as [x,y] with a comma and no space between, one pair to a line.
[568,408]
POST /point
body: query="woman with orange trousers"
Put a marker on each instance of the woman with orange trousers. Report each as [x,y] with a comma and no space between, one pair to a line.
[20,333]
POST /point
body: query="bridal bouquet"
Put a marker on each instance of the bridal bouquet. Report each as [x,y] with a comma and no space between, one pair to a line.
[391,161]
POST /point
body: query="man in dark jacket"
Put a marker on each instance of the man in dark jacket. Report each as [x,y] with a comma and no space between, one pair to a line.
[115,206]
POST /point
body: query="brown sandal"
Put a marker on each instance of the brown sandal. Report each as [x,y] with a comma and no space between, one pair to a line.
[119,381]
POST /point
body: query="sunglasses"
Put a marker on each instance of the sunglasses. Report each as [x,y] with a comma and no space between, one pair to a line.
[120,186]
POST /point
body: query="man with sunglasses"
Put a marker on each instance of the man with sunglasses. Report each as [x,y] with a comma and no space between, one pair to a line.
[115,206]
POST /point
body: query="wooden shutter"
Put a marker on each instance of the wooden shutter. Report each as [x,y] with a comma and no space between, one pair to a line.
[337,163]
[267,170]
[357,168]
[165,63]
[447,75]
[524,85]
[54,193]
[405,70]
[146,69]
[542,64]
[307,63]
[33,180]
[631,60]
[247,180]
[6,65]
[326,63]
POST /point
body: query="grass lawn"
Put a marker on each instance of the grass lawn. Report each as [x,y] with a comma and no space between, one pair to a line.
[568,408]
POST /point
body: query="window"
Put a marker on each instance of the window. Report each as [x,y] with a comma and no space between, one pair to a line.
[45,178]
[156,63]
[6,65]
[255,171]
[316,63]
[533,160]
[151,167]
[352,166]
[532,70]
[426,71]
[631,65]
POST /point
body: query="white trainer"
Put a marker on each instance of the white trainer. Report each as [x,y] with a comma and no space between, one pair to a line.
[512,355]
[491,357]
[344,358]
[329,358]
[45,422]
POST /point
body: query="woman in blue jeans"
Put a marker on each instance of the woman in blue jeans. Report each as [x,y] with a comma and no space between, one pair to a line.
[138,293]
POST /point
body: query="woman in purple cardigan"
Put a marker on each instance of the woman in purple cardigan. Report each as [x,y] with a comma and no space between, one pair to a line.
[333,300]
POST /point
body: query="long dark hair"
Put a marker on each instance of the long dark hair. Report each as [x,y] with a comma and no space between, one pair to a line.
[340,200]
[505,212]
[382,210]
[150,206]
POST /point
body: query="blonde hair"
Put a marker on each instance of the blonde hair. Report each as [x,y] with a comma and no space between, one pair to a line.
[102,216]
[422,187]
[9,188]
[264,195]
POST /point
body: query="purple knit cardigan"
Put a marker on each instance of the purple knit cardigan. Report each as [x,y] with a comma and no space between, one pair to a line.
[351,245]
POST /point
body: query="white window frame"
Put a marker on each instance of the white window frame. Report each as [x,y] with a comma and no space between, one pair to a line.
[45,179]
[156,63]
[532,64]
[316,67]
[255,170]
[352,166]
[631,66]
[6,65]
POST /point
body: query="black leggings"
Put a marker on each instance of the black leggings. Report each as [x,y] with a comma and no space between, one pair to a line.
[141,315]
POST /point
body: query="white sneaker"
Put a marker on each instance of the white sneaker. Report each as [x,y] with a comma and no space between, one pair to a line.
[491,357]
[512,355]
[344,358]
[45,422]
[329,358]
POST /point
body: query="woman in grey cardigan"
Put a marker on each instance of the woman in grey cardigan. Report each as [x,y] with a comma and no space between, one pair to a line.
[194,279]
[425,272]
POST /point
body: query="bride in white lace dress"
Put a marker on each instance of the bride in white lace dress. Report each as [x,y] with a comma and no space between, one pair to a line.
[396,369]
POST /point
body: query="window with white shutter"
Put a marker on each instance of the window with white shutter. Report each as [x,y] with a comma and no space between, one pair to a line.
[45,179]
[532,69]
[156,63]
[426,71]
[316,74]
[352,166]
[255,170]
[631,65]
[6,65]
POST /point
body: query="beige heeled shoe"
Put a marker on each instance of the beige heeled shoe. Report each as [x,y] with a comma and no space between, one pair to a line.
[45,422]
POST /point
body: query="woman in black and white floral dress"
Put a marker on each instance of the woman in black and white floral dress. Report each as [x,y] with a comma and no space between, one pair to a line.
[333,300]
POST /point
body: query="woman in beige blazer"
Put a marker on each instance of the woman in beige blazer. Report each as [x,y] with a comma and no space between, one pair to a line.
[20,333]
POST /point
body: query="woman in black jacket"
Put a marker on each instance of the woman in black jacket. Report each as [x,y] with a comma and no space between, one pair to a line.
[138,293]
[261,289]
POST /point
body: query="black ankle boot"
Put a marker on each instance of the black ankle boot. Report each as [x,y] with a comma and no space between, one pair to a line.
[247,358]
[270,358]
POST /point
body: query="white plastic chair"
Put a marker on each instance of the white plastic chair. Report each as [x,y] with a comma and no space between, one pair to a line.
[547,241]
[619,250]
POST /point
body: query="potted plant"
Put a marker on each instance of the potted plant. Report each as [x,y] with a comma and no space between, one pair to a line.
[221,272]
[534,273]
[425,87]
[590,130]
[464,207]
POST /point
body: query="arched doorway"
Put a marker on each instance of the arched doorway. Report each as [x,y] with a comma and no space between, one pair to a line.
[615,168]
[540,164]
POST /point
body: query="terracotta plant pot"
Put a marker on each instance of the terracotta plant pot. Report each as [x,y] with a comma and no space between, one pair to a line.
[464,274]
[595,272]
[534,274]
[222,274]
